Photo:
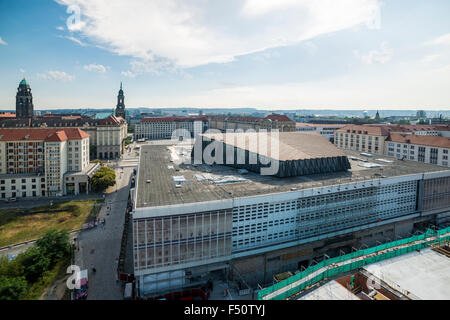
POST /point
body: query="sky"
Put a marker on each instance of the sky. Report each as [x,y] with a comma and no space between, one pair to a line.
[265,54]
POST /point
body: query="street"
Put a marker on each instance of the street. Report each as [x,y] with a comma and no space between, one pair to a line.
[100,247]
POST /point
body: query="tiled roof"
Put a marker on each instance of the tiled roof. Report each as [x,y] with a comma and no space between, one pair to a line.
[35,134]
[111,120]
[386,129]
[373,130]
[7,115]
[432,141]
[278,117]
[57,136]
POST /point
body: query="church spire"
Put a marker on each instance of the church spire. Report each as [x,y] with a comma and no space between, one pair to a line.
[120,108]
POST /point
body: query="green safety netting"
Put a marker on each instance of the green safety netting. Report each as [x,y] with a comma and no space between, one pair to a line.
[310,276]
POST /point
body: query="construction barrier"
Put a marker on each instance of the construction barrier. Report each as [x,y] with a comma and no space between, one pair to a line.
[310,276]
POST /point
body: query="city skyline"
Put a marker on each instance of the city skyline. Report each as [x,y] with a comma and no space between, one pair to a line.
[234,54]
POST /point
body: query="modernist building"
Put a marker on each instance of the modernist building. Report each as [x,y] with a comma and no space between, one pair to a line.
[164,127]
[292,153]
[193,219]
[272,122]
[42,162]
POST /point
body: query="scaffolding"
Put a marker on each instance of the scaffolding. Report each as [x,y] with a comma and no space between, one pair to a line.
[354,260]
[442,247]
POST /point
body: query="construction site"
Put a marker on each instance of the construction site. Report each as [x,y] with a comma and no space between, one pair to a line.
[415,268]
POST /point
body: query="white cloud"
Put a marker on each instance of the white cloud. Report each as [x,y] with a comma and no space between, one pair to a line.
[265,56]
[442,40]
[3,42]
[22,70]
[430,58]
[60,28]
[78,41]
[128,74]
[381,56]
[193,33]
[404,89]
[95,68]
[56,76]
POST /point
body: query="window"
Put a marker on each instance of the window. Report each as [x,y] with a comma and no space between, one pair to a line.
[421,155]
[433,155]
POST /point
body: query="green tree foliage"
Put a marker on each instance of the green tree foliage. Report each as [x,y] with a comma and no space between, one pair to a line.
[55,244]
[103,178]
[10,268]
[35,263]
[127,141]
[12,288]
[99,161]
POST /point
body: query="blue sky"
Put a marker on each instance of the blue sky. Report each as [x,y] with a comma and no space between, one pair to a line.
[289,54]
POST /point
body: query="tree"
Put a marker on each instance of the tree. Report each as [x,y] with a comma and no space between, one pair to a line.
[12,288]
[35,263]
[103,178]
[55,244]
[11,268]
[127,140]
[98,161]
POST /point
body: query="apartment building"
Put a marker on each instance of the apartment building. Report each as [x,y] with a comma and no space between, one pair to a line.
[365,138]
[422,143]
[34,162]
[422,148]
[164,127]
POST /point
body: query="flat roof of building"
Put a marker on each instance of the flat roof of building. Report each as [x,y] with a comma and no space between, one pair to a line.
[332,290]
[158,165]
[424,274]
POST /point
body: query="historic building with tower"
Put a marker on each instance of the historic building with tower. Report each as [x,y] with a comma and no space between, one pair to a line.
[106,136]
[24,100]
[120,109]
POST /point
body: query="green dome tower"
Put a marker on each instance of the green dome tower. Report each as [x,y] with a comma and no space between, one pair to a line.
[24,100]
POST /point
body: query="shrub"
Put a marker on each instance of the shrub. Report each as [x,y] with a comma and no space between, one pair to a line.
[35,263]
[13,288]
